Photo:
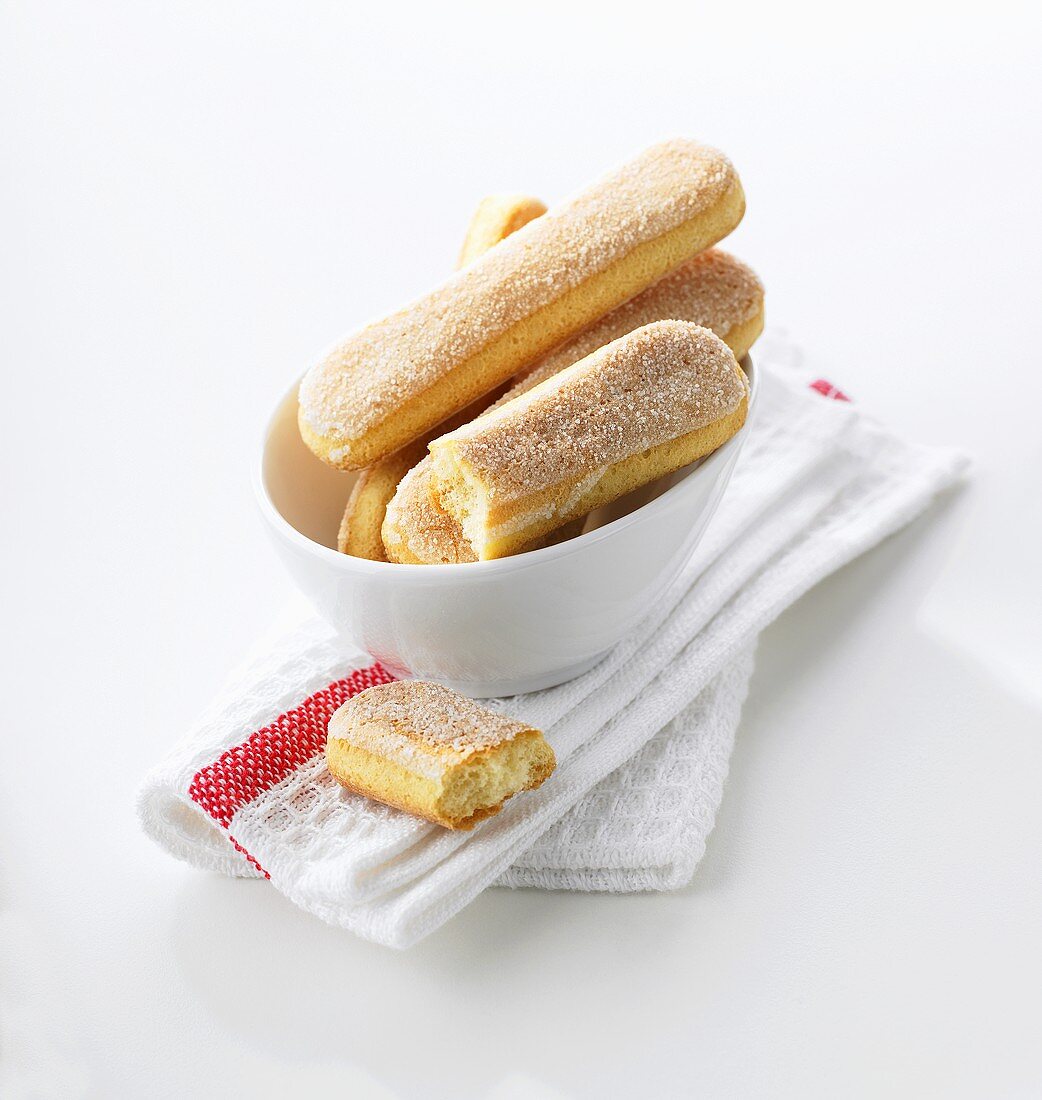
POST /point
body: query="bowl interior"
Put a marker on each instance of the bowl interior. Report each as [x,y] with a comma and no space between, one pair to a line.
[309,495]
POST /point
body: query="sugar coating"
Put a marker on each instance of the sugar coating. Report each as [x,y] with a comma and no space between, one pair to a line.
[424,727]
[714,290]
[370,375]
[416,523]
[653,385]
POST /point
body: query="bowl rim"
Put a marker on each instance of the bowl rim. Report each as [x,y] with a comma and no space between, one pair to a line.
[459,570]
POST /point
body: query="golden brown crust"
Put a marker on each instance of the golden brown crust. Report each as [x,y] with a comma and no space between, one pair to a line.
[401,376]
[359,533]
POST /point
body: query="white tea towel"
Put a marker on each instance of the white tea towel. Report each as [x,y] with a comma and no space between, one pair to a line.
[642,739]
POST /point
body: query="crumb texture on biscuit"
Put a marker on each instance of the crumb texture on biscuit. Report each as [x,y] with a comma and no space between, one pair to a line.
[433,752]
[416,530]
[476,790]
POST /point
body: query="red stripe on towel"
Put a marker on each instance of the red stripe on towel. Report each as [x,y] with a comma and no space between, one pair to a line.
[827,389]
[269,755]
[250,859]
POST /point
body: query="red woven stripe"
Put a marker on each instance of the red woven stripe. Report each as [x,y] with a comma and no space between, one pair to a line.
[827,389]
[239,848]
[268,756]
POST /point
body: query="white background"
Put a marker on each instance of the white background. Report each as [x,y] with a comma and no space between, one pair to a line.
[196,198]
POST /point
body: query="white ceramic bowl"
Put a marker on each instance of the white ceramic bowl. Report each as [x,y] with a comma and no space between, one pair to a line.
[494,627]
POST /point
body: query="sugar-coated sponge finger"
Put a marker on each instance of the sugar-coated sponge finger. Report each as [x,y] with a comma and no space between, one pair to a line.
[400,377]
[434,753]
[631,412]
[494,220]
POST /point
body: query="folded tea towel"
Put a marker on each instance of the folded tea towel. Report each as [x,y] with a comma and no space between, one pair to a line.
[642,739]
